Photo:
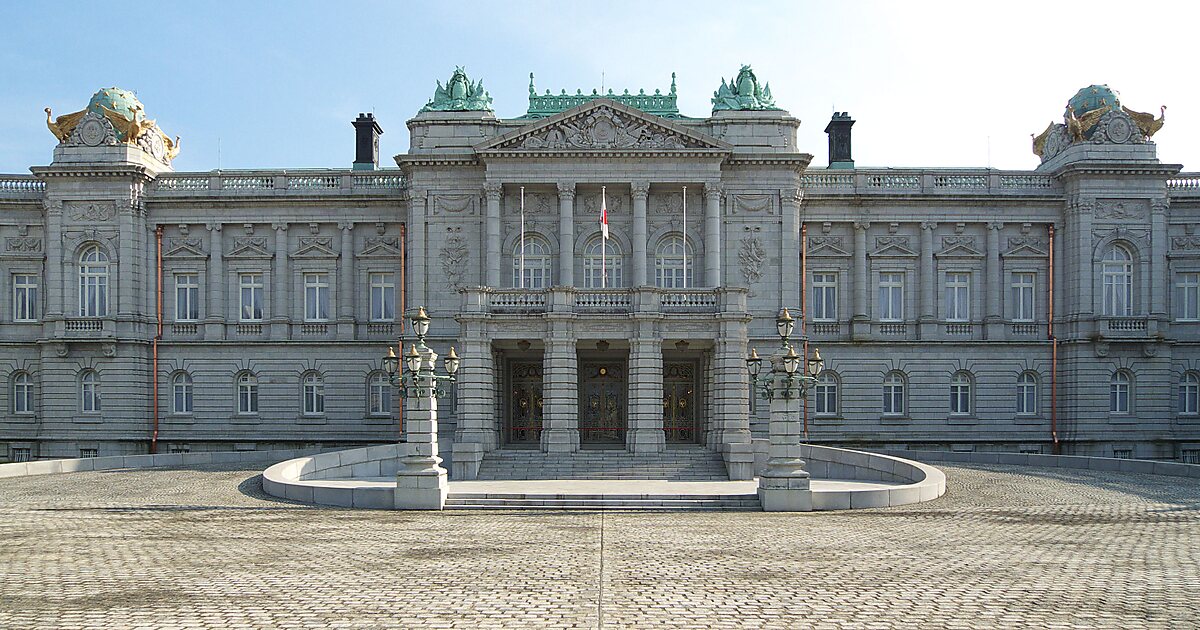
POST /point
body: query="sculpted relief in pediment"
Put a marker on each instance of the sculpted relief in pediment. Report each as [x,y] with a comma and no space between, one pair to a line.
[604,128]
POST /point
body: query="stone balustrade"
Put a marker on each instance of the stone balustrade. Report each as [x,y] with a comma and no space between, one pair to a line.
[1184,185]
[925,181]
[21,186]
[603,301]
[275,183]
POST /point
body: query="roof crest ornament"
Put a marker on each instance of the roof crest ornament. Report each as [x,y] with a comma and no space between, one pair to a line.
[743,93]
[459,95]
[548,104]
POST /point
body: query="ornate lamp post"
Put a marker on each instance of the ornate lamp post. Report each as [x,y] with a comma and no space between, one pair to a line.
[421,480]
[784,485]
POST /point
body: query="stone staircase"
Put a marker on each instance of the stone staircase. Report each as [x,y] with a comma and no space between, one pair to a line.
[685,464]
[676,464]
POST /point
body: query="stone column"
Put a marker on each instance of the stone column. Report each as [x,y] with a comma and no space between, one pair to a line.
[994,284]
[560,382]
[784,485]
[712,235]
[215,310]
[55,261]
[860,323]
[476,430]
[421,482]
[280,283]
[126,273]
[566,235]
[790,289]
[927,326]
[645,434]
[345,287]
[1086,276]
[491,264]
[641,191]
[416,250]
[1158,264]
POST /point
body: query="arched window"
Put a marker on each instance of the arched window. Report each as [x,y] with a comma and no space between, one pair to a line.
[181,393]
[536,263]
[1116,272]
[1120,390]
[673,264]
[379,395]
[247,393]
[93,282]
[314,394]
[89,392]
[1027,397]
[960,394]
[825,394]
[22,393]
[609,259]
[893,394]
[1189,394]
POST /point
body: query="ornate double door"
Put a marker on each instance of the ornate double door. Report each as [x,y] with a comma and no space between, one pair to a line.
[525,403]
[680,420]
[603,388]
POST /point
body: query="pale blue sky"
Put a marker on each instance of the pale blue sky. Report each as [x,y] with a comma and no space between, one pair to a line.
[930,84]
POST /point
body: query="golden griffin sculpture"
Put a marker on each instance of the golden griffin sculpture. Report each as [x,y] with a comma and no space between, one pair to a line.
[1089,117]
[125,114]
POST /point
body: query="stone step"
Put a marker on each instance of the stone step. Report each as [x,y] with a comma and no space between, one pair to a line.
[666,503]
[685,464]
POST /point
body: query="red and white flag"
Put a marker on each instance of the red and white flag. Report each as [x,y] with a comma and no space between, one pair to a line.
[603,213]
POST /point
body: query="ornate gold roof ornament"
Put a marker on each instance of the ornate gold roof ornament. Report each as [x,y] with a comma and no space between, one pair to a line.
[62,126]
[113,117]
[1095,115]
[1147,123]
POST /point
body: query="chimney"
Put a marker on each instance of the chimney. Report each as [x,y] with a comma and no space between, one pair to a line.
[366,142]
[839,140]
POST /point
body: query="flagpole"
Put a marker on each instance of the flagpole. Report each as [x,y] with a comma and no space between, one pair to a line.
[603,239]
[685,282]
[521,281]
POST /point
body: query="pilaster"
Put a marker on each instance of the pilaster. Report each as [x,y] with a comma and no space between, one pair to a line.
[492,191]
[476,430]
[928,283]
[712,234]
[280,314]
[790,288]
[645,434]
[55,295]
[345,286]
[560,382]
[417,238]
[640,193]
[860,323]
[993,319]
[214,321]
[566,235]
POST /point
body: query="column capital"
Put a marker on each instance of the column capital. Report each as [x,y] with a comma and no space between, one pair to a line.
[279,227]
[995,225]
[640,190]
[345,226]
[492,190]
[929,225]
[212,227]
[862,225]
[792,195]
[566,190]
[713,189]
[1159,205]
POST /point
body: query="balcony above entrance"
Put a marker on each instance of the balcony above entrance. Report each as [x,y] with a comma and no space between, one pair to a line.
[648,300]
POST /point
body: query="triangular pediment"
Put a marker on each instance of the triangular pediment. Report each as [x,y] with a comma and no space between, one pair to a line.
[381,247]
[603,125]
[892,246]
[249,247]
[959,251]
[826,246]
[1025,250]
[184,248]
[315,247]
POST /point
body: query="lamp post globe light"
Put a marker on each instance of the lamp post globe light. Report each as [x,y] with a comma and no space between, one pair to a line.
[421,482]
[784,485]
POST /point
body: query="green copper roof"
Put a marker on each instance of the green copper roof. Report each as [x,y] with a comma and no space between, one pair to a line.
[659,104]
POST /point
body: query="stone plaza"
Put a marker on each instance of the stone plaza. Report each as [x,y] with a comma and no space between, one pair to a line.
[1007,547]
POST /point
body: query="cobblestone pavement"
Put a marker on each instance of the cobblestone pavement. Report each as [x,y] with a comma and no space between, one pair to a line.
[1006,547]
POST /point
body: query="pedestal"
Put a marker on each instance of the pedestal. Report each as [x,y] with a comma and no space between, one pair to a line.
[784,485]
[421,482]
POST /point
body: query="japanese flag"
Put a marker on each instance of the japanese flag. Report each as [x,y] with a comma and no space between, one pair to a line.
[603,214]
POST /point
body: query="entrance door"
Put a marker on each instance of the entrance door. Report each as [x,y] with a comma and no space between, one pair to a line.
[524,403]
[679,403]
[602,387]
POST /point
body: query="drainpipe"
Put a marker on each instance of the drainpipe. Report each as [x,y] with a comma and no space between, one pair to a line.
[403,296]
[158,328]
[804,307]
[1055,447]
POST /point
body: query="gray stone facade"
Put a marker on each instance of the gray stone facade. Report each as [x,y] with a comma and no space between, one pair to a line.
[935,294]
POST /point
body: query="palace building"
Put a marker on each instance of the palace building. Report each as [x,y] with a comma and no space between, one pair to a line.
[1049,310]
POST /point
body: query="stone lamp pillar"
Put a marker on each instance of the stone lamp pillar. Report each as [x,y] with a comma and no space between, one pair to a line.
[784,485]
[421,483]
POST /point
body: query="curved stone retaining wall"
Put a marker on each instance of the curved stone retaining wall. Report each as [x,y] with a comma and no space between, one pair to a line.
[921,482]
[1143,466]
[167,460]
[325,478]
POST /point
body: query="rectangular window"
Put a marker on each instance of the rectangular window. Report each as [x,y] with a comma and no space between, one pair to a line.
[1123,453]
[1188,289]
[1022,296]
[383,297]
[958,297]
[824,297]
[316,297]
[380,396]
[180,448]
[960,398]
[1190,456]
[20,455]
[1026,397]
[251,297]
[1189,395]
[247,395]
[85,453]
[187,297]
[25,298]
[891,297]
[826,397]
